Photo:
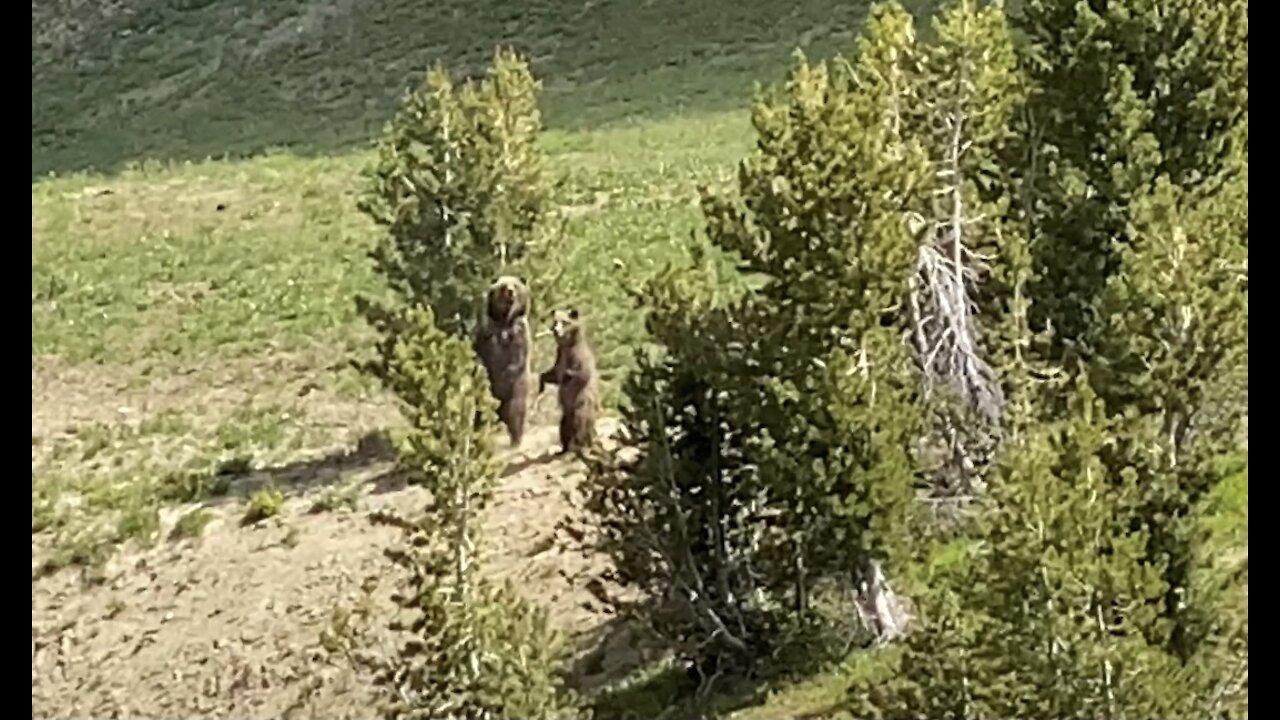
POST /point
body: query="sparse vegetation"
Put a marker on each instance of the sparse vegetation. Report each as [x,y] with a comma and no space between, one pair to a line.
[263,504]
[192,524]
[192,324]
[292,537]
[333,499]
[191,486]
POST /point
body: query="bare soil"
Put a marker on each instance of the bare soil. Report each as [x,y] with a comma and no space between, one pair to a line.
[230,624]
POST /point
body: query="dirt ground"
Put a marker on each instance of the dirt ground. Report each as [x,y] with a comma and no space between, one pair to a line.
[230,625]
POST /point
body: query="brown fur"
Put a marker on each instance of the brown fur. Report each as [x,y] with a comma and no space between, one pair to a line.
[502,343]
[575,374]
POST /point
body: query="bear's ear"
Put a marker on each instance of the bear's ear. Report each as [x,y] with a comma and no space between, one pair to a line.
[573,313]
[523,280]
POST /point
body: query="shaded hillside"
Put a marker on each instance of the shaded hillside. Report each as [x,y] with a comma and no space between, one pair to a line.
[125,80]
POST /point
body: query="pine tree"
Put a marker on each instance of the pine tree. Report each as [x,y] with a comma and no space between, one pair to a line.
[775,434]
[680,514]
[1127,91]
[1174,320]
[1140,210]
[1050,615]
[834,404]
[472,650]
[458,191]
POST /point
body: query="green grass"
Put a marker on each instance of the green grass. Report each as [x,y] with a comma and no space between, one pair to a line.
[153,273]
[1225,520]
[1226,516]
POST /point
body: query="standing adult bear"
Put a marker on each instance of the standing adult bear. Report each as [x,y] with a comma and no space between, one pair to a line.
[502,342]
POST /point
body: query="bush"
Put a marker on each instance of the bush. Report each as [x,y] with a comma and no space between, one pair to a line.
[263,504]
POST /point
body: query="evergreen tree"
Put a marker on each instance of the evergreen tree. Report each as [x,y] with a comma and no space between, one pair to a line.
[1174,320]
[460,191]
[1079,596]
[457,189]
[1127,92]
[1140,203]
[682,513]
[1050,615]
[776,432]
[834,404]
[473,650]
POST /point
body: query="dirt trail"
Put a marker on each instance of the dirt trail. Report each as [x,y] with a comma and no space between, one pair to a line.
[230,625]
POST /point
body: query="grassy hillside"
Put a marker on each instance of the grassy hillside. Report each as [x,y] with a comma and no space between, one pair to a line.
[119,81]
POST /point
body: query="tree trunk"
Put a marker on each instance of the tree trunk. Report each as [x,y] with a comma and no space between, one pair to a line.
[879,607]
